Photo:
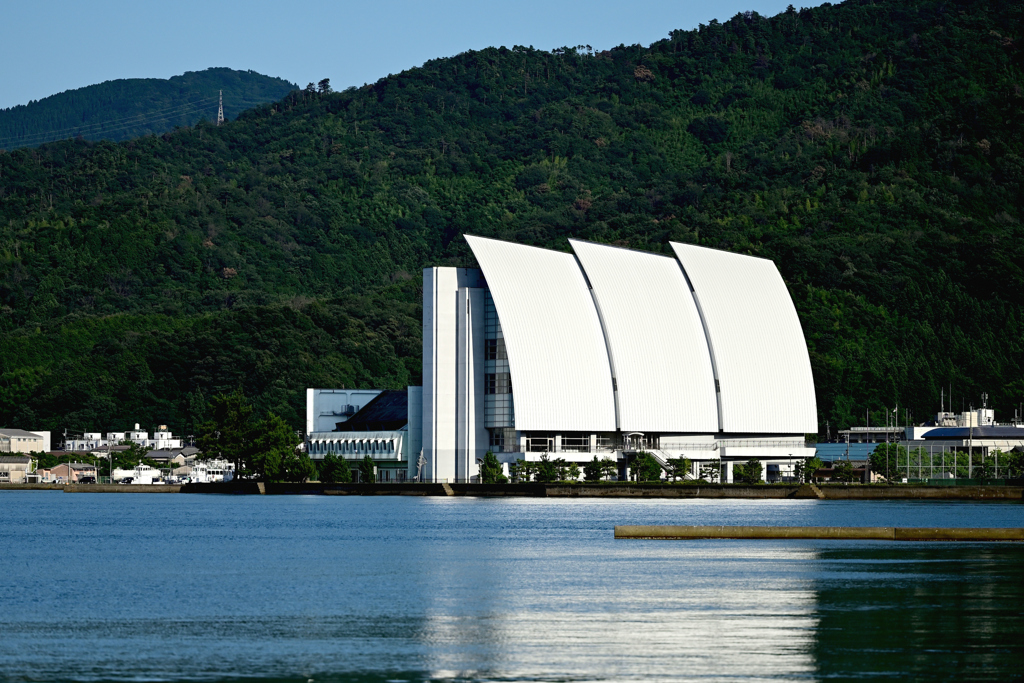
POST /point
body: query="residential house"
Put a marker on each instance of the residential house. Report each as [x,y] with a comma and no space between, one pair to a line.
[72,472]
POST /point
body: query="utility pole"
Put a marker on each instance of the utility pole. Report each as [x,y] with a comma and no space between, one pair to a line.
[220,109]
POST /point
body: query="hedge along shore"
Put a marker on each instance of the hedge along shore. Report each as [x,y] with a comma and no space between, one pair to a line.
[852,533]
[582,490]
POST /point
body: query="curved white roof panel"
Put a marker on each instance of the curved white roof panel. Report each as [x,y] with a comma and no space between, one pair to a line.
[561,377]
[659,352]
[757,344]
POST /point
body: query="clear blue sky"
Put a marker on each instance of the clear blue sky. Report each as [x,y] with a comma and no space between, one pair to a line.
[47,46]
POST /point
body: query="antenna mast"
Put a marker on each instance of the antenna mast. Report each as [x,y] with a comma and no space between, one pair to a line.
[220,109]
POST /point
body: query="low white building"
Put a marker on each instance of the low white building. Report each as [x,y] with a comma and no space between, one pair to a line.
[96,441]
[379,429]
[21,441]
[14,469]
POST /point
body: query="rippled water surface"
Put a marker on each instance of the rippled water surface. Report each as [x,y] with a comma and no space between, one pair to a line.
[172,587]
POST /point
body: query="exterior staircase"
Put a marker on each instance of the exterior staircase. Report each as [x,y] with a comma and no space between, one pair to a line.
[448,491]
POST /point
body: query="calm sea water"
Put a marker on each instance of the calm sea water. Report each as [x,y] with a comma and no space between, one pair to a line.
[198,587]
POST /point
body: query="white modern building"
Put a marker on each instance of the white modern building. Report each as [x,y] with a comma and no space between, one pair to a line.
[608,352]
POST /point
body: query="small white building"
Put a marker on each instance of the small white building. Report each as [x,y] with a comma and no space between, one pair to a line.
[95,441]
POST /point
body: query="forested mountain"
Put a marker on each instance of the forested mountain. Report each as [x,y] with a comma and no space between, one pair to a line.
[872,149]
[132,107]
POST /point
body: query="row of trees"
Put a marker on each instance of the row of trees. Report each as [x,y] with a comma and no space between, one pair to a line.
[644,468]
[266,449]
[335,470]
[262,449]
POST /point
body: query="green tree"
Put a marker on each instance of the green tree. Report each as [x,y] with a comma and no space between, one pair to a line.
[130,457]
[609,469]
[711,470]
[574,472]
[296,467]
[272,452]
[810,467]
[490,470]
[546,470]
[1012,467]
[228,434]
[885,460]
[593,471]
[329,469]
[748,472]
[646,468]
[367,470]
[561,468]
[515,471]
[335,470]
[680,468]
[842,470]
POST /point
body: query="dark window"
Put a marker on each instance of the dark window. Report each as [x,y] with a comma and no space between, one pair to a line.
[499,383]
[494,349]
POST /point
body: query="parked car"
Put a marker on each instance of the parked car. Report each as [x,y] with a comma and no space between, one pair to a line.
[87,480]
[127,480]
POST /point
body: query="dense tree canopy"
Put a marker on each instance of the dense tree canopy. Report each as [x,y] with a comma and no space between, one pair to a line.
[127,108]
[871,149]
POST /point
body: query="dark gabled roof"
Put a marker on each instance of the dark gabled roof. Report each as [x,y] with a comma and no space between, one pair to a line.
[15,459]
[388,411]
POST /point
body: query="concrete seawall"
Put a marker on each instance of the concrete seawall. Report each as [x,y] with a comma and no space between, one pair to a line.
[582,490]
[121,488]
[819,532]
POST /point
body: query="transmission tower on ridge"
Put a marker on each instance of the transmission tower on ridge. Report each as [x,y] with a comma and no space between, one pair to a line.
[220,109]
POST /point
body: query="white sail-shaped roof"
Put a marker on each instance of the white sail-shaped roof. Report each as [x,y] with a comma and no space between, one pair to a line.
[757,343]
[658,349]
[561,377]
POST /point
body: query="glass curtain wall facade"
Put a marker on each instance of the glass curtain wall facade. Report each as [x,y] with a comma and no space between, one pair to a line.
[499,411]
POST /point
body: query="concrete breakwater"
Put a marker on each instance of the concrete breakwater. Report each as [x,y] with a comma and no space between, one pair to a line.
[820,532]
